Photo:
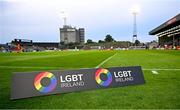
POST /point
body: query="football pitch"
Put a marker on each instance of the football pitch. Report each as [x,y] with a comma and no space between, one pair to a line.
[161,70]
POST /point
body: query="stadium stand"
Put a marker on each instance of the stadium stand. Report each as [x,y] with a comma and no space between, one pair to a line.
[168,33]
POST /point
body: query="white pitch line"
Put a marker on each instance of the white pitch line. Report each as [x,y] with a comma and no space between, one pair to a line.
[36,57]
[27,67]
[154,72]
[105,61]
[165,69]
[53,67]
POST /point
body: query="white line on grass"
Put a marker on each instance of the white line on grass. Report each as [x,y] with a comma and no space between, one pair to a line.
[28,67]
[163,69]
[105,61]
[36,57]
[154,72]
[54,67]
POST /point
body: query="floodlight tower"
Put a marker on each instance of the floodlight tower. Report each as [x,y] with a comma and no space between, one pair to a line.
[64,16]
[135,11]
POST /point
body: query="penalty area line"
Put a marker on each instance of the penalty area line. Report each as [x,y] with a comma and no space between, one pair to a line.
[105,60]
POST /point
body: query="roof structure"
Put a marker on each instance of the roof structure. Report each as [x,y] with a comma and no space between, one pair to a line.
[169,28]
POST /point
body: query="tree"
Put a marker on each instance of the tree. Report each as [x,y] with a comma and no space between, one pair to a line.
[100,41]
[62,43]
[72,45]
[137,43]
[109,38]
[89,41]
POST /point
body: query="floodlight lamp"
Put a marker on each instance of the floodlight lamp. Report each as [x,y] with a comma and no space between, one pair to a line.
[64,14]
[135,9]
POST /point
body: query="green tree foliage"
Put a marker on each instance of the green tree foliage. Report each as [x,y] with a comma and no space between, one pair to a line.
[89,41]
[137,42]
[100,41]
[109,38]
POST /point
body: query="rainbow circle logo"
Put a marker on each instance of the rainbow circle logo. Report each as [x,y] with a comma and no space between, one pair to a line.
[50,87]
[98,79]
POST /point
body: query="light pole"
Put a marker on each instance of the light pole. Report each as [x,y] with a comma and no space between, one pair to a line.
[135,11]
[64,16]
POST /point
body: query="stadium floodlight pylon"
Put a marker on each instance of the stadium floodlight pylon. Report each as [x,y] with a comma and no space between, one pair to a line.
[64,15]
[135,10]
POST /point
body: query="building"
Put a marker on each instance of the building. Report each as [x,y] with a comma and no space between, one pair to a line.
[81,35]
[22,42]
[28,45]
[168,33]
[69,34]
[46,44]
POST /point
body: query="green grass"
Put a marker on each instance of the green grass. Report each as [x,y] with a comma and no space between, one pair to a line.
[159,91]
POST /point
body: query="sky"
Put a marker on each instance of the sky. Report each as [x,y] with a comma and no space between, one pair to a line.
[40,20]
